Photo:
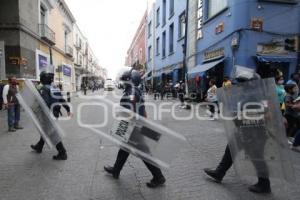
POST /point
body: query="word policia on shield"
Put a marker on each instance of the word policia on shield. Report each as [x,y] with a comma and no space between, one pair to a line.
[139,136]
[257,142]
[40,114]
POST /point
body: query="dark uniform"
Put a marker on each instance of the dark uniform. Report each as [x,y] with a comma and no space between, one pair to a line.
[248,134]
[133,99]
[52,95]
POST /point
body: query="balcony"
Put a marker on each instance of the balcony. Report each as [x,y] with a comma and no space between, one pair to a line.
[47,34]
[69,51]
[78,45]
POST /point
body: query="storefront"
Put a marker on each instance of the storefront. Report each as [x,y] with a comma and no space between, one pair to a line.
[272,57]
[213,65]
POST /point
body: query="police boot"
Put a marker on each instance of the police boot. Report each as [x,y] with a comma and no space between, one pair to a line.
[112,171]
[37,148]
[218,174]
[154,183]
[18,127]
[11,129]
[261,187]
[62,153]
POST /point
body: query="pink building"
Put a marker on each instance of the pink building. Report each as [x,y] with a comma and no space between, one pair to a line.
[136,54]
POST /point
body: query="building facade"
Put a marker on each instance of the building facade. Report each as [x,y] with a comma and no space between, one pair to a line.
[56,24]
[136,54]
[165,39]
[257,34]
[38,35]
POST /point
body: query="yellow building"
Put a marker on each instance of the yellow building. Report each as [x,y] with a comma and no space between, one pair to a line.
[56,55]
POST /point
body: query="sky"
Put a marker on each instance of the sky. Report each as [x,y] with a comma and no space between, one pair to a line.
[109,26]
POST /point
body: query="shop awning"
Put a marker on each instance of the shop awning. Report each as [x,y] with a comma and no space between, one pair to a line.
[276,58]
[204,67]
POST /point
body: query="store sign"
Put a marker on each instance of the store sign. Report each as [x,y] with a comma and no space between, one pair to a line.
[67,70]
[257,24]
[270,49]
[200,20]
[17,61]
[42,62]
[211,55]
[219,28]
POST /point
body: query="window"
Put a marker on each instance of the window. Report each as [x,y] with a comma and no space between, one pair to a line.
[171,39]
[149,29]
[157,46]
[43,11]
[149,53]
[182,27]
[80,42]
[215,6]
[164,12]
[80,60]
[140,54]
[164,44]
[157,17]
[66,40]
[171,8]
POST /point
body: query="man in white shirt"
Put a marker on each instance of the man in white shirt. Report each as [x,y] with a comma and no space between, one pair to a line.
[12,105]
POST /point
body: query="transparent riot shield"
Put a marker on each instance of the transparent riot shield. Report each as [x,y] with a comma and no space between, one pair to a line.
[255,130]
[135,134]
[40,114]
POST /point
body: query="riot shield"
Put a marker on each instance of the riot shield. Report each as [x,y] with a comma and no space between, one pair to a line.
[133,133]
[40,114]
[255,130]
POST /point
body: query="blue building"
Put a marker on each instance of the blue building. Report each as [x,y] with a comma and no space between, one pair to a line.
[258,34]
[165,39]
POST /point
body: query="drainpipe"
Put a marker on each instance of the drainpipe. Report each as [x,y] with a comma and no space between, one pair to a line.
[51,59]
[185,70]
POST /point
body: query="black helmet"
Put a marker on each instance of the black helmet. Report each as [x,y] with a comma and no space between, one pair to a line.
[46,78]
[131,77]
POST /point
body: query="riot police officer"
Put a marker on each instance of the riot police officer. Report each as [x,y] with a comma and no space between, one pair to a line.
[263,184]
[133,99]
[52,95]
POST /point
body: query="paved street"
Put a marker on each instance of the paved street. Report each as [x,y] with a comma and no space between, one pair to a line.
[26,175]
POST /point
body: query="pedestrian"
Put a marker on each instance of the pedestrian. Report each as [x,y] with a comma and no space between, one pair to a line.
[84,87]
[12,105]
[263,184]
[280,92]
[291,114]
[181,92]
[176,89]
[162,90]
[295,142]
[295,80]
[1,98]
[133,99]
[211,97]
[52,96]
[226,82]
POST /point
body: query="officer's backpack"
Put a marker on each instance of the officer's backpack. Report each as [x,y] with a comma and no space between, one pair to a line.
[52,97]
